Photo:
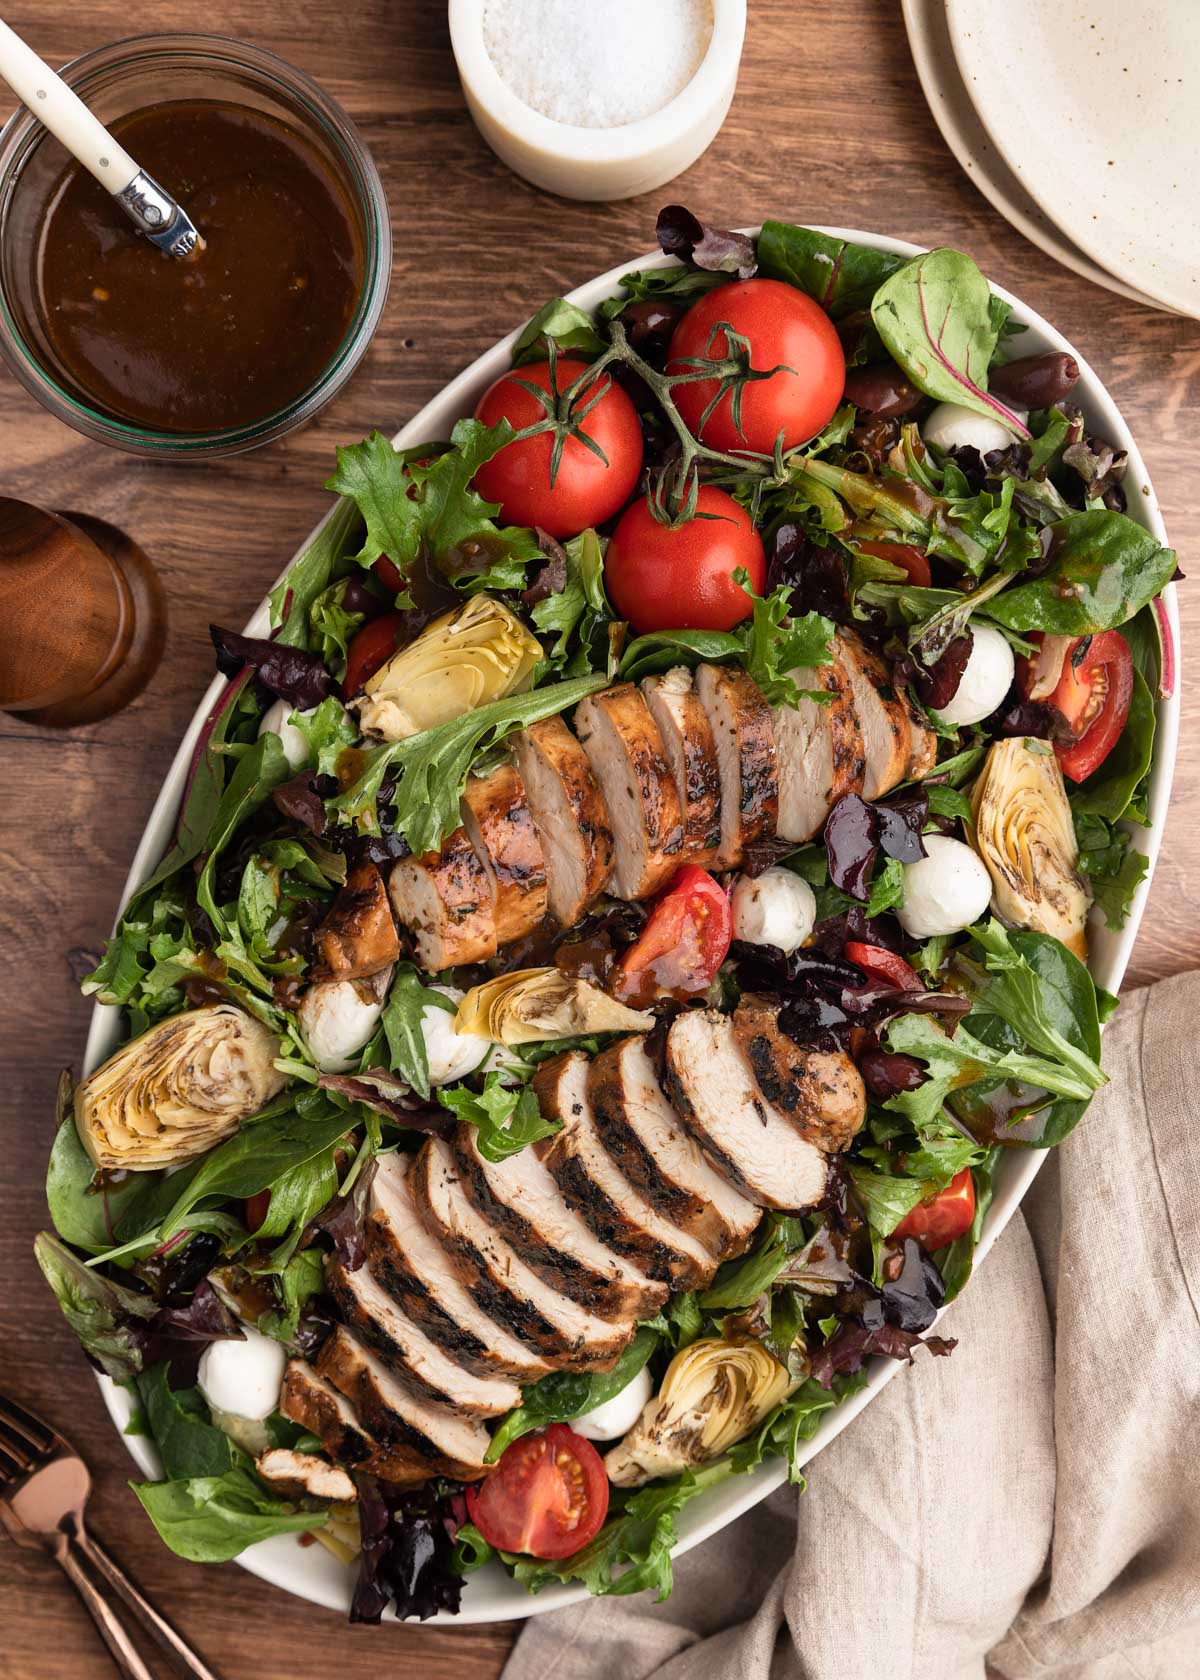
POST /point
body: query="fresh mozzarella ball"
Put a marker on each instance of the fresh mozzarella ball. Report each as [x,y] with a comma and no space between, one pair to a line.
[774,908]
[293,740]
[337,1019]
[985,681]
[243,1378]
[951,426]
[616,1417]
[452,1055]
[945,891]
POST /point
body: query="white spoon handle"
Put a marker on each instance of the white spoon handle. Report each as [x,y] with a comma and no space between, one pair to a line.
[64,113]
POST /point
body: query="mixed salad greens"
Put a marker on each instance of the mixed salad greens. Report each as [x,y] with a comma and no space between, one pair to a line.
[792,471]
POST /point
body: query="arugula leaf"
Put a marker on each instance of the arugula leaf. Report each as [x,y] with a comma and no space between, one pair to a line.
[101,1313]
[309,575]
[841,276]
[579,610]
[188,1442]
[434,764]
[505,1117]
[794,1420]
[1104,568]
[407,1000]
[571,328]
[331,627]
[633,1550]
[568,1394]
[739,1282]
[210,1519]
[934,315]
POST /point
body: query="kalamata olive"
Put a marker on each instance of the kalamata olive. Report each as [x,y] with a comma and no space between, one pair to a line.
[881,388]
[649,324]
[1035,381]
[887,1072]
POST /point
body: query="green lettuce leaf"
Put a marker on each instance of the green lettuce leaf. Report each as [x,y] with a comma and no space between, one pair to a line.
[210,1519]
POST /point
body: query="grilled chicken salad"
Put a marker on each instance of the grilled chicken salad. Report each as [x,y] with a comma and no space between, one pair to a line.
[616,922]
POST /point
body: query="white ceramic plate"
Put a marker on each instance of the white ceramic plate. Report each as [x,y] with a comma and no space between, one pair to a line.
[1096,109]
[956,117]
[311,1572]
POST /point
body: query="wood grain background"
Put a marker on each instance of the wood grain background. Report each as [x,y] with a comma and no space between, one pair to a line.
[828,125]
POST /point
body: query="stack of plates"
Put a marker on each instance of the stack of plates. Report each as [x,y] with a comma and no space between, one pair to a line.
[1081,124]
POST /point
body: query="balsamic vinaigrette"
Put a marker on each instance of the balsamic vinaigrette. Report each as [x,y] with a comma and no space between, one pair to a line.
[234,333]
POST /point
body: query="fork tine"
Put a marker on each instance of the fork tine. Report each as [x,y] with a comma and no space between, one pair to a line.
[16,1421]
[11,1466]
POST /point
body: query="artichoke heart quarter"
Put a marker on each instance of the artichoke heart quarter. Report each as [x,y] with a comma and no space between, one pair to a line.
[1024,834]
[467,658]
[178,1089]
[713,1394]
[532,1004]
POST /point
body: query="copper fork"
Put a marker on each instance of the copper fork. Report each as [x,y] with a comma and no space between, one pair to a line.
[44,1486]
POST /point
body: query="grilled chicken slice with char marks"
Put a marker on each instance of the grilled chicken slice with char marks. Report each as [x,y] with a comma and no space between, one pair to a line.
[923,757]
[741,726]
[818,750]
[358,936]
[445,1441]
[300,1475]
[412,1356]
[658,1155]
[820,1091]
[308,1400]
[496,816]
[504,1286]
[418,1273]
[885,717]
[622,741]
[592,1183]
[521,1199]
[758,1149]
[691,751]
[444,899]
[570,815]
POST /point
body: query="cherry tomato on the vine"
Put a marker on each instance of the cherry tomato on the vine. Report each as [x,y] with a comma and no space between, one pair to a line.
[548,1496]
[680,577]
[785,329]
[588,487]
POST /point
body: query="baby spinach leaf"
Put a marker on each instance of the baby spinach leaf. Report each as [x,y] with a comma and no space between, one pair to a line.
[210,1519]
[571,328]
[102,1314]
[1045,993]
[676,281]
[568,1394]
[1104,568]
[661,649]
[506,1117]
[841,276]
[935,316]
[82,1213]
[188,1442]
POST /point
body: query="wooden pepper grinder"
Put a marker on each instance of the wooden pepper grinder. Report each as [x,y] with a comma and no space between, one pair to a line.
[82,616]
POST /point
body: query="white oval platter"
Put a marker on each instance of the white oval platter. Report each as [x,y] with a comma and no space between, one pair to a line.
[490,1596]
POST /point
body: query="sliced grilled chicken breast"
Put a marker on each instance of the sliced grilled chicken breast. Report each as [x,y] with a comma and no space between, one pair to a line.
[419,1274]
[821,1092]
[409,1353]
[522,1200]
[741,726]
[505,1287]
[710,1082]
[818,751]
[594,1185]
[923,756]
[298,1475]
[443,1439]
[570,815]
[496,816]
[626,751]
[444,899]
[883,714]
[358,936]
[659,1156]
[691,751]
[308,1400]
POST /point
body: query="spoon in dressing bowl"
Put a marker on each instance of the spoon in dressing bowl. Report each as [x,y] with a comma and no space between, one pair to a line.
[151,210]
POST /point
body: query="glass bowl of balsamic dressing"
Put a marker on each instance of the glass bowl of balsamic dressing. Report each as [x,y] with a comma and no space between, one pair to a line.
[248,339]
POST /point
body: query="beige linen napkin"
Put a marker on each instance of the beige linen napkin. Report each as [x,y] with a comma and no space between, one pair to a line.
[1029,1506]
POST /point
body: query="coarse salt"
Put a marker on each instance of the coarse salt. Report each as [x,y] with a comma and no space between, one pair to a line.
[597,63]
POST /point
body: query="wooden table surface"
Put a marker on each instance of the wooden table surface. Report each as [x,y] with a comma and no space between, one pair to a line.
[828,125]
